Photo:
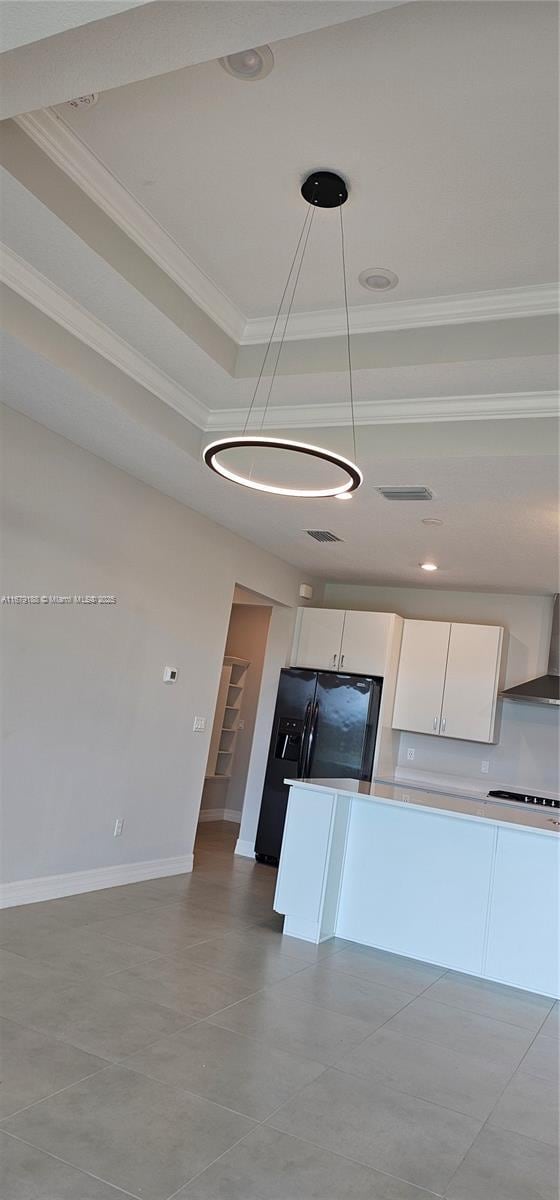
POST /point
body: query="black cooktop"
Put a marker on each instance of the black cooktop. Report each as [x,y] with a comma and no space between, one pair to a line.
[522,798]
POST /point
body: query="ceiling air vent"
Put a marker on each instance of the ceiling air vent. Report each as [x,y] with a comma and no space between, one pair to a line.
[405,493]
[323,535]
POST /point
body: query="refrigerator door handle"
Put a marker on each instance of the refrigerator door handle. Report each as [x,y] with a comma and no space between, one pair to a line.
[370,739]
[311,739]
[303,748]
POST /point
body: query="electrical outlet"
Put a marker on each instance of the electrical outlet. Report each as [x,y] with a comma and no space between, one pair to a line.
[199,724]
[485,766]
[119,826]
[410,754]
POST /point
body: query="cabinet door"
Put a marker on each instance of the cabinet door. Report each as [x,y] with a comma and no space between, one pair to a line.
[421,676]
[364,642]
[320,635]
[471,682]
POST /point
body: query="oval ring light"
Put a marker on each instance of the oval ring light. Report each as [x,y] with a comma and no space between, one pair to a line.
[350,485]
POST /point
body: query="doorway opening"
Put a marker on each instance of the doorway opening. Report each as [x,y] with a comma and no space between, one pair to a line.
[233,726]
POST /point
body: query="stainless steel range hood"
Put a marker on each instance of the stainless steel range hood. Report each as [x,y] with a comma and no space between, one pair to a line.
[545,689]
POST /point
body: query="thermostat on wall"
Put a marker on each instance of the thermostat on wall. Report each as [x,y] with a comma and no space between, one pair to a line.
[170,674]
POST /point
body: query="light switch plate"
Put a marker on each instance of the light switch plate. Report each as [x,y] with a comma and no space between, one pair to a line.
[199,724]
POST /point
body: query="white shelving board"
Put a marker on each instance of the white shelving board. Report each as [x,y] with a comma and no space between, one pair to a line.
[226,719]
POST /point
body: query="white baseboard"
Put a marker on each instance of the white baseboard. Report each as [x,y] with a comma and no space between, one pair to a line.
[50,887]
[219,814]
[245,849]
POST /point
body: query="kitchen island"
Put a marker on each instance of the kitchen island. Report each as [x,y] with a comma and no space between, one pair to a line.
[467,883]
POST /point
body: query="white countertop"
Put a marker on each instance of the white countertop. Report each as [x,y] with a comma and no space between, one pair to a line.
[499,812]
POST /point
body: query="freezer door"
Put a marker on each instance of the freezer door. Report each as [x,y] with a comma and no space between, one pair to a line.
[343,727]
[286,756]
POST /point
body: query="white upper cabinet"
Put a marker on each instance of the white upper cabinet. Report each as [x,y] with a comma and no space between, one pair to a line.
[421,677]
[318,638]
[447,681]
[471,682]
[331,639]
[365,639]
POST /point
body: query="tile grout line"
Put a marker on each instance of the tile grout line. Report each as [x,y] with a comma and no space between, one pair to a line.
[264,1124]
[243,929]
[50,1096]
[56,1158]
[358,1161]
[485,1124]
[460,1008]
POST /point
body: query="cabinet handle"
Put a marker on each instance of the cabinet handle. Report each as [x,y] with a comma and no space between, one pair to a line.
[334,660]
[434,727]
[443,724]
[342,660]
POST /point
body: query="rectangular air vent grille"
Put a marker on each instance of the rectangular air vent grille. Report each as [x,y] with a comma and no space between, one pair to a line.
[405,493]
[323,535]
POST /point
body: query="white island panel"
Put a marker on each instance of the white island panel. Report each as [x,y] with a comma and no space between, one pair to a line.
[459,881]
[301,876]
[416,883]
[524,925]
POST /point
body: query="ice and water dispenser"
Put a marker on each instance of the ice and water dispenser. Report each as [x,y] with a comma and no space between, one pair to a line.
[289,739]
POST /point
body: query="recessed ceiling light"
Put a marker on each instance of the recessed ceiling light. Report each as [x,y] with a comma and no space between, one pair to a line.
[378,279]
[428,566]
[431,521]
[343,496]
[249,65]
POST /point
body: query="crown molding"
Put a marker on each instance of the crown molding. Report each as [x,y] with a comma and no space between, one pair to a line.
[55,138]
[68,313]
[60,307]
[386,316]
[502,405]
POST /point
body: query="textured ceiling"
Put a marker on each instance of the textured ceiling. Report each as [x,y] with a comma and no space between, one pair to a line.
[444,117]
[439,114]
[22,23]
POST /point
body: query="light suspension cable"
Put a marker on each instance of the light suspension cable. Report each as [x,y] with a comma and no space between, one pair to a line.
[322,189]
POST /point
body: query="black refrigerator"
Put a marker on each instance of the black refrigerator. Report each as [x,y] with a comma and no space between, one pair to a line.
[325,726]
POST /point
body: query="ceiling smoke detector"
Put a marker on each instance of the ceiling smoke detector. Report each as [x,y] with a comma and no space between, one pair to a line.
[83,101]
[378,279]
[249,65]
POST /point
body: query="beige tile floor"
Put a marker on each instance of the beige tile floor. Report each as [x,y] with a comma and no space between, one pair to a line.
[163,1040]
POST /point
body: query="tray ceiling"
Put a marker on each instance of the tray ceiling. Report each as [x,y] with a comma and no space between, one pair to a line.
[148,240]
[438,114]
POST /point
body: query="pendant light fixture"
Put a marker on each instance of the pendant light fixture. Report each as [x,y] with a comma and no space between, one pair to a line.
[322,189]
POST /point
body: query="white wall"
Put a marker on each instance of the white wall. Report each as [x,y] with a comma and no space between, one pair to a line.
[90,731]
[527,753]
[246,638]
